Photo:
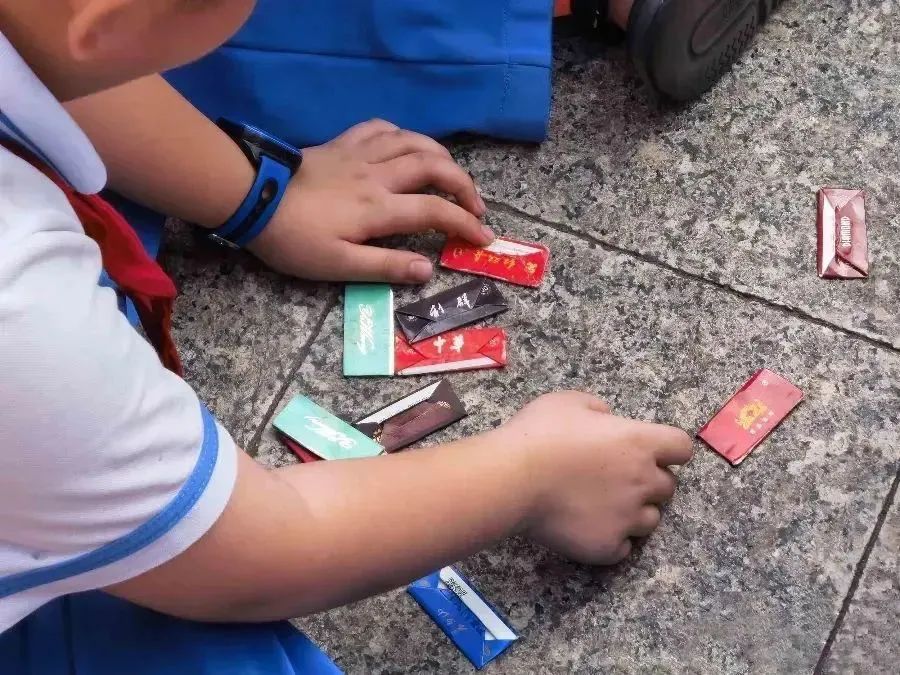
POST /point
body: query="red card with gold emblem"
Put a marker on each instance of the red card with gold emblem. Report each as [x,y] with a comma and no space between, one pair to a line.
[750,415]
[517,262]
[467,349]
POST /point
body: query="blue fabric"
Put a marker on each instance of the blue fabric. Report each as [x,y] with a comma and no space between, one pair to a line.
[306,71]
[96,634]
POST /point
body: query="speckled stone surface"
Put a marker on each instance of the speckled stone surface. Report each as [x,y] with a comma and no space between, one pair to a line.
[750,566]
[725,188]
[239,328]
[683,248]
[869,638]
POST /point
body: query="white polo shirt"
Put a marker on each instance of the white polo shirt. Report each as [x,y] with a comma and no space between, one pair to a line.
[109,464]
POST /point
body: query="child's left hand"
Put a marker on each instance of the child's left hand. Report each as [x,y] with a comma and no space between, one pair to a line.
[363,185]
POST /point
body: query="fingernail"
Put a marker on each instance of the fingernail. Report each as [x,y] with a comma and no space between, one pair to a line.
[482,205]
[420,270]
[488,233]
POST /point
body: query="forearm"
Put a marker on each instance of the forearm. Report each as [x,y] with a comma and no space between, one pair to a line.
[405,515]
[163,153]
[315,536]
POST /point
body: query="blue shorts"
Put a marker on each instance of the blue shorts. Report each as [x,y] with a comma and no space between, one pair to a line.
[96,634]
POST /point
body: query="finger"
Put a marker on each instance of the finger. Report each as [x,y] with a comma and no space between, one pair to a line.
[662,487]
[647,520]
[364,131]
[676,448]
[389,145]
[419,213]
[372,263]
[669,445]
[416,171]
[599,405]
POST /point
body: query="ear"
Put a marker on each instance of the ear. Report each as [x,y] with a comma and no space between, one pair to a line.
[101,29]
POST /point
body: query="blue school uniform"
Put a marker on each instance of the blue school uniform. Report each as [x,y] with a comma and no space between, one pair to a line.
[97,634]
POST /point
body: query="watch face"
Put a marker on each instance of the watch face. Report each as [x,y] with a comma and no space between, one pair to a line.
[273,147]
[256,142]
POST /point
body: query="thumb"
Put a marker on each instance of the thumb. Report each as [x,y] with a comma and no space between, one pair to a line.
[372,263]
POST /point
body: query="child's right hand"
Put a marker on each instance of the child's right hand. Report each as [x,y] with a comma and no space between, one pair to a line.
[598,479]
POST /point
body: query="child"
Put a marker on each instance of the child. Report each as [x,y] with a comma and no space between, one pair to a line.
[113,476]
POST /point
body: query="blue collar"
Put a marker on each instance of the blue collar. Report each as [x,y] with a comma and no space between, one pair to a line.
[32,117]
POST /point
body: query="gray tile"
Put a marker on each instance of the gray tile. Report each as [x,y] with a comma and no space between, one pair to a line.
[725,188]
[239,328]
[868,640]
[750,566]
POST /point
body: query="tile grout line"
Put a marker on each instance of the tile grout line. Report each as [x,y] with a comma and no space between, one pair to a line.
[857,576]
[656,262]
[253,446]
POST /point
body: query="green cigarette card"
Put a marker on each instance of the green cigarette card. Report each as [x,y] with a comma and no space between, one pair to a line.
[368,330]
[322,433]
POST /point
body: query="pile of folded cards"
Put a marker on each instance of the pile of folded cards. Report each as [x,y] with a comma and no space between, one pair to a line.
[426,336]
[432,335]
[429,335]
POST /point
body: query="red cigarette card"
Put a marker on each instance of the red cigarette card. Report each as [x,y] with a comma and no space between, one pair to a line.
[750,415]
[467,349]
[517,262]
[302,453]
[843,251]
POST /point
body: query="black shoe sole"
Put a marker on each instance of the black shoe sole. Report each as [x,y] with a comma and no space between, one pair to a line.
[681,48]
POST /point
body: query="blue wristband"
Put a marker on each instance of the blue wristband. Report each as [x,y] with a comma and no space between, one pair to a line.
[258,206]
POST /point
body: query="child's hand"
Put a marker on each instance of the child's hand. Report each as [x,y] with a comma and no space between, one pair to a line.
[364,185]
[600,478]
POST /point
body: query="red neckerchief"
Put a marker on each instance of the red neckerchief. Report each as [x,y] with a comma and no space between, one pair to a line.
[126,262]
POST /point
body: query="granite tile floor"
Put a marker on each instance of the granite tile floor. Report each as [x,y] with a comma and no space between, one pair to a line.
[683,243]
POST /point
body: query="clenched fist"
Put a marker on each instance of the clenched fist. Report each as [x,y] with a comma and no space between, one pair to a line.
[598,479]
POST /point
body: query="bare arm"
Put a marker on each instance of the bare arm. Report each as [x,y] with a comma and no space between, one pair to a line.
[310,537]
[163,153]
[313,536]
